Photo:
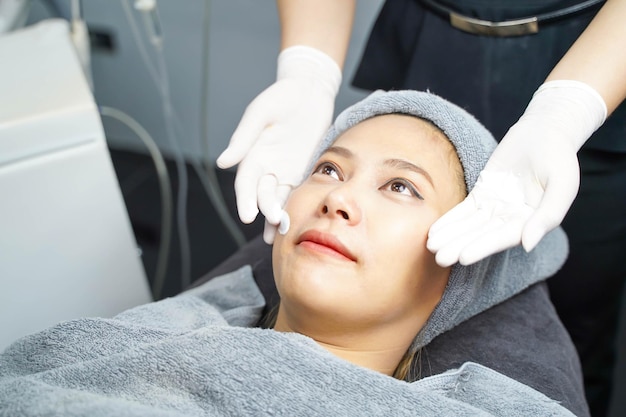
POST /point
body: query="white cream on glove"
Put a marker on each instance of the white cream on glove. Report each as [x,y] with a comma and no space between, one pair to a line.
[529,182]
[279,132]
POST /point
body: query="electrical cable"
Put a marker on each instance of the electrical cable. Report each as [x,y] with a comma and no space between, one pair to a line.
[209,180]
[161,80]
[183,180]
[206,174]
[166,193]
[77,12]
[139,43]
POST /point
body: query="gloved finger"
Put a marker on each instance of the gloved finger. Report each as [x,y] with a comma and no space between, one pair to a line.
[246,185]
[250,173]
[450,253]
[272,199]
[282,194]
[555,203]
[454,216]
[467,220]
[267,198]
[498,238]
[245,135]
[285,223]
[228,158]
[269,233]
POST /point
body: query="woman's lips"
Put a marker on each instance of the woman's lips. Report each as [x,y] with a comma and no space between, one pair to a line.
[326,243]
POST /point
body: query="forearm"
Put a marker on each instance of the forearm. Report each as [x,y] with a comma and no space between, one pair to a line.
[322,24]
[598,57]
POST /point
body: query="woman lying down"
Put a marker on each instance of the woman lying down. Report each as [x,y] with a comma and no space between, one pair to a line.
[360,295]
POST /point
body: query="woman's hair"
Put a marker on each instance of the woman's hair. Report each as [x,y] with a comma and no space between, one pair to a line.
[456,168]
[268,318]
[409,368]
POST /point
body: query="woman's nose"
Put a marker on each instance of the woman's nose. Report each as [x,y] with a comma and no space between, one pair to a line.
[341,204]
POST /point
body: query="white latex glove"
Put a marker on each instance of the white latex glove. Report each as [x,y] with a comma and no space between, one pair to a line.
[529,182]
[279,132]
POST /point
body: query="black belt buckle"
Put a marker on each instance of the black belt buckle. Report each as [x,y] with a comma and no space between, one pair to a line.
[519,27]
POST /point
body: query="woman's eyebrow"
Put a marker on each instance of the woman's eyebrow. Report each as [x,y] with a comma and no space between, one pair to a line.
[402,164]
[393,163]
[341,151]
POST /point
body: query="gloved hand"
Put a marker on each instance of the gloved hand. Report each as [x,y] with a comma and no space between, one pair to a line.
[279,132]
[529,182]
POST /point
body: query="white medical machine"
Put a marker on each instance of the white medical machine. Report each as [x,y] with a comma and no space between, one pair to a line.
[67,249]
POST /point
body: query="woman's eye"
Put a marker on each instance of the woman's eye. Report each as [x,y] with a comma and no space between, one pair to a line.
[329,169]
[403,187]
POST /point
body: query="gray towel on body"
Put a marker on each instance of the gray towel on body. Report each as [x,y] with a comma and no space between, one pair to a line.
[521,337]
[186,356]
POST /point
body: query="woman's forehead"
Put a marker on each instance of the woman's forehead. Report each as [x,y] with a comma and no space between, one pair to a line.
[395,134]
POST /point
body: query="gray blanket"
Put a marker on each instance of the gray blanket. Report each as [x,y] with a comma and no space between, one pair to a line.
[192,355]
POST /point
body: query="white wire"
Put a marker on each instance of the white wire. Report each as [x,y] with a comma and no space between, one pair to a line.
[162,83]
[77,13]
[181,169]
[206,175]
[139,42]
[209,181]
[166,193]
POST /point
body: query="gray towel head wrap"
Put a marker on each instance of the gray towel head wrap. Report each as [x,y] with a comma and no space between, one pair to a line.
[474,288]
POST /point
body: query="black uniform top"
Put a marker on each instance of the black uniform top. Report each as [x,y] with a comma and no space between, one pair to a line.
[412,46]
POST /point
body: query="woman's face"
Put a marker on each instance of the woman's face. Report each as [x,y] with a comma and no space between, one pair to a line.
[355,253]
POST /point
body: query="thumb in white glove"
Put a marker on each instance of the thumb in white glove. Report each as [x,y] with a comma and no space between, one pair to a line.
[279,132]
[529,182]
